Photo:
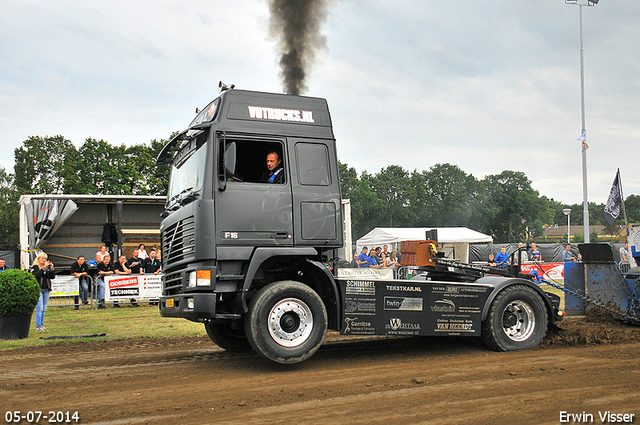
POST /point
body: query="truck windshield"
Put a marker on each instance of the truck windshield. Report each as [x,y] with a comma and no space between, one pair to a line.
[187,176]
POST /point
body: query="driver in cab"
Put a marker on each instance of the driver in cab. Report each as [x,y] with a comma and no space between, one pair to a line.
[274,172]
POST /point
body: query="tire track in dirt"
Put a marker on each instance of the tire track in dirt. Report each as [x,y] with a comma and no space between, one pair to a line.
[355,380]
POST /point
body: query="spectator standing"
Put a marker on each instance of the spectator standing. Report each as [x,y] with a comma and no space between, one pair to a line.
[522,255]
[142,253]
[384,261]
[534,253]
[105,268]
[393,260]
[101,253]
[363,258]
[122,266]
[156,248]
[354,263]
[567,256]
[377,255]
[79,270]
[44,273]
[151,264]
[373,262]
[502,259]
[625,255]
[492,260]
[120,269]
[135,263]
[3,265]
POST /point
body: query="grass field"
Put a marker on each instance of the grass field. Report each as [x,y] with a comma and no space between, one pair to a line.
[117,323]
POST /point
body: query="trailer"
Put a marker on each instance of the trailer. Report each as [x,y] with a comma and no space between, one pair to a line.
[251,233]
[66,226]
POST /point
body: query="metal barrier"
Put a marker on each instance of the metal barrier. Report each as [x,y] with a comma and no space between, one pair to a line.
[92,297]
[404,272]
[624,266]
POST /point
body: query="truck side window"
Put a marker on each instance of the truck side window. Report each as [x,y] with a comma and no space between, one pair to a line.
[251,158]
[313,164]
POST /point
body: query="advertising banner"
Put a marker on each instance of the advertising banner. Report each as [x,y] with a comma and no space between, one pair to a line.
[548,271]
[64,286]
[124,288]
[412,307]
[366,273]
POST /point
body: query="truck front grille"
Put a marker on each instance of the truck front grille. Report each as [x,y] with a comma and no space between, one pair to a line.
[178,242]
[172,282]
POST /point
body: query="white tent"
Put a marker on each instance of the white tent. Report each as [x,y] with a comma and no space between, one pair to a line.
[453,241]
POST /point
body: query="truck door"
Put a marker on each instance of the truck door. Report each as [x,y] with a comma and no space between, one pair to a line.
[249,211]
[316,187]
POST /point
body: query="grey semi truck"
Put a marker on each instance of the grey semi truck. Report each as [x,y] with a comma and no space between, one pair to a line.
[249,255]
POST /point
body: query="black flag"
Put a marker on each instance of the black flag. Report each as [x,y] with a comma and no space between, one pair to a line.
[612,209]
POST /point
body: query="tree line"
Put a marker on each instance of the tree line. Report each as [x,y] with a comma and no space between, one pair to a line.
[504,205]
[53,165]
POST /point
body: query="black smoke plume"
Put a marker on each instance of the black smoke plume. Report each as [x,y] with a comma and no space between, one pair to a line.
[296,24]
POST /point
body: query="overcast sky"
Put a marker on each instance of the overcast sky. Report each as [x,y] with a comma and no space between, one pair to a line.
[487,86]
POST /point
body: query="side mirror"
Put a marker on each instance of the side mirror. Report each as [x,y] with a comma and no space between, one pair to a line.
[228,164]
[229,159]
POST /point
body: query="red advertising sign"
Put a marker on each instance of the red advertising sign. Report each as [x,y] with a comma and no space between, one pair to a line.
[547,271]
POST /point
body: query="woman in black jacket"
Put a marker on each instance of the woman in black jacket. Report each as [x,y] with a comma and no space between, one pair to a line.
[43,271]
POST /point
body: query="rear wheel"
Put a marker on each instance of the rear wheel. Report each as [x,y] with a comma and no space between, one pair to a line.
[517,320]
[287,322]
[229,335]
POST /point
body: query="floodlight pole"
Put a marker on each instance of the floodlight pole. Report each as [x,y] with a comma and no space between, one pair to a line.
[567,212]
[585,200]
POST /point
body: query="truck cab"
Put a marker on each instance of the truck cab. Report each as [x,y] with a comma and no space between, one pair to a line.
[227,233]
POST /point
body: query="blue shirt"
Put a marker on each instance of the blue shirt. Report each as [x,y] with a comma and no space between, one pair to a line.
[372,261]
[363,257]
[501,259]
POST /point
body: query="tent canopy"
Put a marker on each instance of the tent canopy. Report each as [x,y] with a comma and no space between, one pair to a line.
[389,235]
[455,240]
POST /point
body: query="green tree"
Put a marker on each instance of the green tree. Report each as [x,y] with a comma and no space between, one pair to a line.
[45,165]
[392,187]
[511,204]
[157,176]
[449,197]
[369,207]
[122,170]
[9,210]
[350,188]
[632,205]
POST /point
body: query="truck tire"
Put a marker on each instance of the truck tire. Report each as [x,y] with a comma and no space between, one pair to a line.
[517,320]
[287,322]
[229,335]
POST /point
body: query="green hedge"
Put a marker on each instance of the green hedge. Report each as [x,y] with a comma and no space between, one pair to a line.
[19,292]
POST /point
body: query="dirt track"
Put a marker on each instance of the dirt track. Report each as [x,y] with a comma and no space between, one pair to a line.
[586,367]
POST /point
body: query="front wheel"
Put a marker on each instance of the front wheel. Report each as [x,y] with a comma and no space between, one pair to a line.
[517,320]
[228,335]
[287,322]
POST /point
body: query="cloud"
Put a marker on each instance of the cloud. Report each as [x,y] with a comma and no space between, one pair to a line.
[485,86]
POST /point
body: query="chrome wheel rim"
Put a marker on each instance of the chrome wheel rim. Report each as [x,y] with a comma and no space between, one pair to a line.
[518,321]
[290,322]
